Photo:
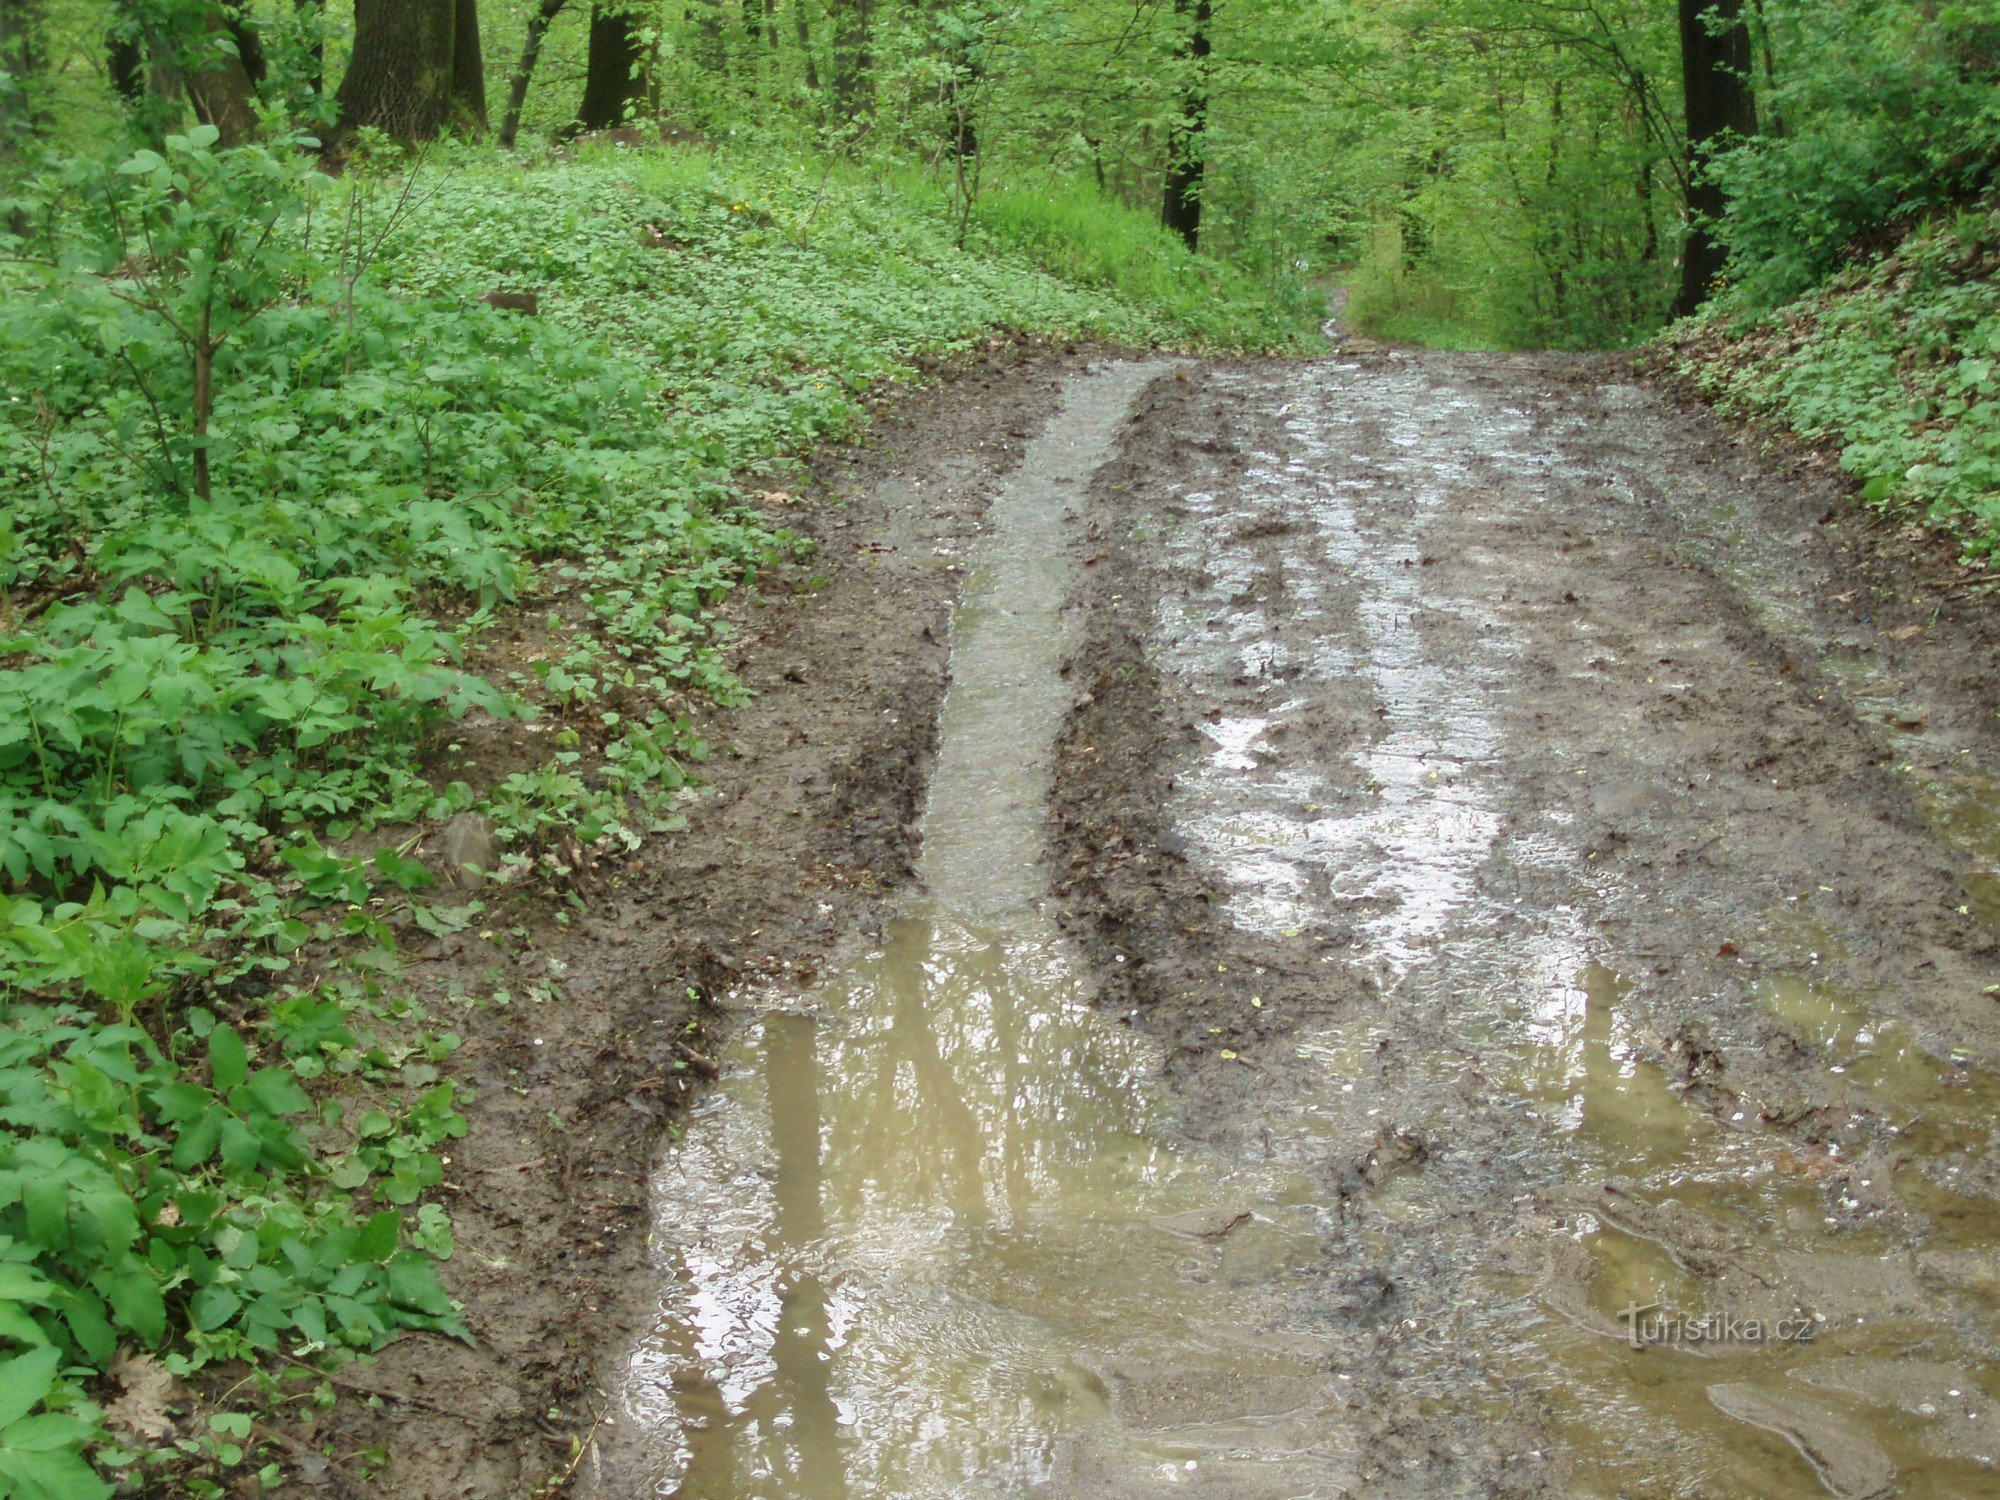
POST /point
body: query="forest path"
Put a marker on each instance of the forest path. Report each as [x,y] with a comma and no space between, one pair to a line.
[1584,837]
[1517,1018]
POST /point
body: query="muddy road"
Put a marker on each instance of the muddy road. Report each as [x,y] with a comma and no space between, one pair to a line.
[1451,952]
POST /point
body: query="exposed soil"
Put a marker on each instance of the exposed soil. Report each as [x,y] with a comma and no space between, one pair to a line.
[1598,811]
[791,856]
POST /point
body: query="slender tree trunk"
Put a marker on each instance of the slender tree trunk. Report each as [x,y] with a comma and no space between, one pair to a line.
[524,71]
[853,66]
[804,29]
[20,60]
[125,60]
[468,66]
[400,77]
[612,83]
[1715,73]
[1180,208]
[1642,185]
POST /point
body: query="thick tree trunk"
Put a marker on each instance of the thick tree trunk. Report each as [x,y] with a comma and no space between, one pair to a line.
[524,71]
[400,78]
[853,62]
[1180,207]
[612,84]
[219,82]
[1715,74]
[468,66]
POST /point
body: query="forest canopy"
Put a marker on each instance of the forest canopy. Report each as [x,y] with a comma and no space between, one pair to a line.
[1513,171]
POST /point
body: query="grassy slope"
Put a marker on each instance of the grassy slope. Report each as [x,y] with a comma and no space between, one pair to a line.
[1893,362]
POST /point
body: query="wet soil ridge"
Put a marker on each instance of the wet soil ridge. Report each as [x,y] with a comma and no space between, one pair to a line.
[983,835]
[1533,819]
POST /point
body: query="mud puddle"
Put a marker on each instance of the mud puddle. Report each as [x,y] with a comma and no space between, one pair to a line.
[927,1237]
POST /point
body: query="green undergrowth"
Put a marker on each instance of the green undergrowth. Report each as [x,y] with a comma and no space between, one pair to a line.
[1896,362]
[1070,228]
[270,477]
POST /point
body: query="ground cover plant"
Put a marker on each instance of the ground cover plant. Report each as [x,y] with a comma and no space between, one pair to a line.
[1892,363]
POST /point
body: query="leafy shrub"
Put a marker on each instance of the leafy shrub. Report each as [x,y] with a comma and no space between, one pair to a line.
[1897,362]
[1882,113]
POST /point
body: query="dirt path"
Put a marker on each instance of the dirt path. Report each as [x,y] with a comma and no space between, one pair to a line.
[1533,863]
[791,857]
[1568,838]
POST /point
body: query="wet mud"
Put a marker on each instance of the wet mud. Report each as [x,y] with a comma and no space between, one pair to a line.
[1566,835]
[1439,942]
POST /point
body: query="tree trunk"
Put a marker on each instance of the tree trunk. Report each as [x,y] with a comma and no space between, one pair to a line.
[531,52]
[468,66]
[125,60]
[400,79]
[1715,74]
[853,25]
[612,85]
[218,78]
[1180,208]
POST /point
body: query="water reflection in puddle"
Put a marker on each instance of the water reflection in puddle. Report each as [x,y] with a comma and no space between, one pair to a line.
[916,1224]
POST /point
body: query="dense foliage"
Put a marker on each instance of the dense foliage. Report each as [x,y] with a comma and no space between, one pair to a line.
[1861,310]
[1896,363]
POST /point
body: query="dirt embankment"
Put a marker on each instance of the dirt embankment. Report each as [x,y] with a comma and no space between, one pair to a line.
[791,855]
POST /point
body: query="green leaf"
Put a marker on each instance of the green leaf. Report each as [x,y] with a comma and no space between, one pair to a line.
[46,1432]
[25,1380]
[228,1059]
[276,1092]
[136,1302]
[213,1306]
[409,874]
[413,1282]
[198,1139]
[64,1476]
[45,1204]
[84,1315]
[380,1236]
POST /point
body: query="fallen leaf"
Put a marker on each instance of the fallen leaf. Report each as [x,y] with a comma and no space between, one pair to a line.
[141,1410]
